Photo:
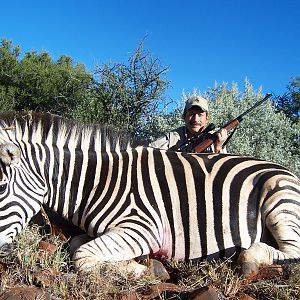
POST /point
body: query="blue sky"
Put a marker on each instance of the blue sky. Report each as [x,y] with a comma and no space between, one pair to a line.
[202,42]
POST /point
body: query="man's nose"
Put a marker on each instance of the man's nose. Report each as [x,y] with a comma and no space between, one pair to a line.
[196,117]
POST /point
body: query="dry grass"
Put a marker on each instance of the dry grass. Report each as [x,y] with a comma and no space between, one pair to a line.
[52,271]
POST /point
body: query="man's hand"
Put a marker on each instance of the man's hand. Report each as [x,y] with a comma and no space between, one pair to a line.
[221,138]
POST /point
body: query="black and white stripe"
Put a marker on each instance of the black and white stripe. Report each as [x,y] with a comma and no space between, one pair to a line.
[134,201]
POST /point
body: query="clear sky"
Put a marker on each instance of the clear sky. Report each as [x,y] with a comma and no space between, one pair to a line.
[202,41]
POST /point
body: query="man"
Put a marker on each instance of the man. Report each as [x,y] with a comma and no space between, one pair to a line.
[195,117]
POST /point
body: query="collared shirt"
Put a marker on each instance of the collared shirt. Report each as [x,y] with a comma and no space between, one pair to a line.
[174,139]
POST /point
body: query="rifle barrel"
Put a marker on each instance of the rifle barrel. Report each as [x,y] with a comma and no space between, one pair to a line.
[267,96]
[232,124]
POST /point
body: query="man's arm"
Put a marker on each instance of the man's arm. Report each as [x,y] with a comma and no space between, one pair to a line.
[160,143]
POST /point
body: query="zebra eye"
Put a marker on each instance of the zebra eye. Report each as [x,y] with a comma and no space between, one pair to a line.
[3,187]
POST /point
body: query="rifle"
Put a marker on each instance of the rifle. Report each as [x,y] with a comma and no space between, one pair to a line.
[190,144]
[199,145]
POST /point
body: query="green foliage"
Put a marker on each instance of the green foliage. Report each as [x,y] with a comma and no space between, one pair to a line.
[124,95]
[130,96]
[265,133]
[8,75]
[160,122]
[289,103]
[36,82]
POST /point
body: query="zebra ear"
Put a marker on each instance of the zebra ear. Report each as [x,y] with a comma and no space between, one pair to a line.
[9,154]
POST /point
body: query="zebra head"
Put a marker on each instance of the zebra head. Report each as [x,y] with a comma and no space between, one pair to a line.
[15,208]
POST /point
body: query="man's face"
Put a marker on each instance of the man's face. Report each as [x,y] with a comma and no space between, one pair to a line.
[195,120]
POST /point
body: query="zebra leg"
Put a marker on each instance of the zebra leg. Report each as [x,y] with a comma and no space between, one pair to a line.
[86,260]
[78,241]
[115,246]
[284,225]
[255,257]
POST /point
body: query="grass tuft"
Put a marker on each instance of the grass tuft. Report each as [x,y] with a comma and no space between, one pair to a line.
[33,263]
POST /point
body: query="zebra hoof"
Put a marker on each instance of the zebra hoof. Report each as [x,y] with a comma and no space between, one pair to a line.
[6,249]
[132,267]
[158,270]
[78,241]
[249,269]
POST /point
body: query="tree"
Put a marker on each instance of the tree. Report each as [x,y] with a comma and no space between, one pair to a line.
[8,75]
[119,94]
[289,103]
[125,94]
[265,133]
[131,97]
[36,82]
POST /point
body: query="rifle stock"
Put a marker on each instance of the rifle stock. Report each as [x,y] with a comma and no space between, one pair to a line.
[209,141]
[231,125]
[194,141]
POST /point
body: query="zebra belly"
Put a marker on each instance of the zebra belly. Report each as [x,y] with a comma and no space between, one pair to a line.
[194,244]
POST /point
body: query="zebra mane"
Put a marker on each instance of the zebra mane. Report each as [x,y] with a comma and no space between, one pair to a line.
[36,125]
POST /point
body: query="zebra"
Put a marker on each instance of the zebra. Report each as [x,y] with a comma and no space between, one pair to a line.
[134,201]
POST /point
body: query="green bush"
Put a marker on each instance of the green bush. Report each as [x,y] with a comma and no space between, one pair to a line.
[265,133]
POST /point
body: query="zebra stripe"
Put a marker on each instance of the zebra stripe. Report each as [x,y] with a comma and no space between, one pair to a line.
[134,201]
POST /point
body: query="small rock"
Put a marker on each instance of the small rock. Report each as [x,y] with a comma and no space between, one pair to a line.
[46,246]
[245,297]
[266,273]
[158,269]
[130,296]
[204,293]
[28,293]
[156,290]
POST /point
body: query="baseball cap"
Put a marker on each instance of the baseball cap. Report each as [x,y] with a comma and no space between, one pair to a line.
[196,101]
